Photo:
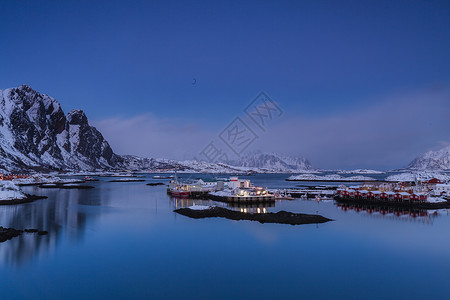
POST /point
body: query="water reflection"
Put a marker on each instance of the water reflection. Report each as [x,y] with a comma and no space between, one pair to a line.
[62,215]
[395,213]
[242,207]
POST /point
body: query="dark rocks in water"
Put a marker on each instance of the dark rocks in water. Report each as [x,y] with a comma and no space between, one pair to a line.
[281,217]
[155,183]
[29,198]
[9,233]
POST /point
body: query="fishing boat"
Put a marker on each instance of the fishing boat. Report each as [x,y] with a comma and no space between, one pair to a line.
[178,193]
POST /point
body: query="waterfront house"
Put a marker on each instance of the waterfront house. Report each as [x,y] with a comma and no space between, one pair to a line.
[364,194]
[390,195]
[404,196]
[376,194]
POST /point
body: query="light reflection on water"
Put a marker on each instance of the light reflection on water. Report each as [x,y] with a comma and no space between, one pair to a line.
[124,240]
[242,207]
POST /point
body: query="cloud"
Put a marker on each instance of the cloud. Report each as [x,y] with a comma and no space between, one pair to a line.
[387,134]
[149,136]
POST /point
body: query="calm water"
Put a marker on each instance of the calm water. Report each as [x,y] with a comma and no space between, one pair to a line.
[123,240]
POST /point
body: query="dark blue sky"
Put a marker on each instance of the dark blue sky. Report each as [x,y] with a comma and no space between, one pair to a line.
[317,59]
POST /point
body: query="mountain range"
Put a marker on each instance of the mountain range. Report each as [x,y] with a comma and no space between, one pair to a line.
[35,134]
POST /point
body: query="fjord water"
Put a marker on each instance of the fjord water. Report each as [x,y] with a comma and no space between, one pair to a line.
[123,240]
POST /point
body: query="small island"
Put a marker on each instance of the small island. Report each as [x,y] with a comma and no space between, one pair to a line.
[281,217]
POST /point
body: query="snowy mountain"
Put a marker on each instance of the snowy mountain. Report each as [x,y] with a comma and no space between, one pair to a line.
[36,134]
[272,161]
[432,160]
[134,163]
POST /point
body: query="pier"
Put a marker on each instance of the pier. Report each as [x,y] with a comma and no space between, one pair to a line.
[243,199]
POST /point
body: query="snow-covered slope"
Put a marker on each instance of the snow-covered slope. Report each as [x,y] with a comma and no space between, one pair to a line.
[432,160]
[35,133]
[418,175]
[134,163]
[272,161]
[360,171]
[330,177]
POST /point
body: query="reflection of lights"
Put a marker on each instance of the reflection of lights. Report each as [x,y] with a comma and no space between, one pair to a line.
[258,210]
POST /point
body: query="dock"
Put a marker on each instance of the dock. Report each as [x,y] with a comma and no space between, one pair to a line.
[243,199]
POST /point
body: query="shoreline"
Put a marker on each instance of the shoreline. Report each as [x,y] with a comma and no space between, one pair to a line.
[28,199]
[419,205]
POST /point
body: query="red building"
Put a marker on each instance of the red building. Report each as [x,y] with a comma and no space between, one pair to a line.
[433,181]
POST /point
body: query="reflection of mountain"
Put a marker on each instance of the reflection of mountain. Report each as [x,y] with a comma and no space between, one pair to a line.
[63,215]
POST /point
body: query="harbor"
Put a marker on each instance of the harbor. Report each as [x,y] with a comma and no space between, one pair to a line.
[229,190]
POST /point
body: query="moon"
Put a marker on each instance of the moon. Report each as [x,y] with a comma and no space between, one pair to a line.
[194,81]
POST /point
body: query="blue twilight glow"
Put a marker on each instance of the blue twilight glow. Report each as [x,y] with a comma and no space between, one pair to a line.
[335,67]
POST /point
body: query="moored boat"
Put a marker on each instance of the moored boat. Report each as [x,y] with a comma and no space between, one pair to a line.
[178,193]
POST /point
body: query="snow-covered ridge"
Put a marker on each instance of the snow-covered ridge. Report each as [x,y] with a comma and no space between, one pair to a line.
[331,177]
[432,160]
[36,134]
[195,166]
[360,171]
[418,176]
[272,161]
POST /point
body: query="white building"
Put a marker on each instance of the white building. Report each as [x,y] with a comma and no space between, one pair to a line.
[442,188]
[236,183]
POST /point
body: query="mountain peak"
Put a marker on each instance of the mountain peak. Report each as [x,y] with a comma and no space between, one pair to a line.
[24,87]
[273,161]
[432,160]
[35,133]
[77,117]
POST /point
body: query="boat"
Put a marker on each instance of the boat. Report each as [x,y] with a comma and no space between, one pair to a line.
[178,193]
[283,196]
